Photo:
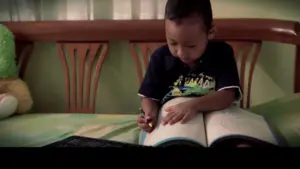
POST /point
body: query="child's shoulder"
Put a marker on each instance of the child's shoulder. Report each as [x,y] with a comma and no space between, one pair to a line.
[162,50]
[218,45]
[217,48]
[162,53]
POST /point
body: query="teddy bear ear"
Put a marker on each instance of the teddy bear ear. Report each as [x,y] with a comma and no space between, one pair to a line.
[8,66]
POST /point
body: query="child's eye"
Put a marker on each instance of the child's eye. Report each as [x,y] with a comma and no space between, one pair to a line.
[191,46]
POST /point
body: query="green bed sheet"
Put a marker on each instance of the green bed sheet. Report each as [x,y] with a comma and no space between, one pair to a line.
[36,130]
[283,115]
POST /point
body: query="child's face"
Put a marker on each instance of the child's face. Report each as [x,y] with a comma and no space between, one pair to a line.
[187,40]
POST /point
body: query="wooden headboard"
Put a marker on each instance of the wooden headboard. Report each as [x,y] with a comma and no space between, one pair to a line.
[90,36]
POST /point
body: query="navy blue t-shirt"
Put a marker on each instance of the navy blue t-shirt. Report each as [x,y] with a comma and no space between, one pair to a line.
[167,77]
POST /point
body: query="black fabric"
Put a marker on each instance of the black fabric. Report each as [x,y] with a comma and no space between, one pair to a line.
[77,141]
[180,143]
[233,141]
[167,77]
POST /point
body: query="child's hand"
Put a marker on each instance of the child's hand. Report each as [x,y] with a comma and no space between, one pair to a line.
[143,122]
[181,112]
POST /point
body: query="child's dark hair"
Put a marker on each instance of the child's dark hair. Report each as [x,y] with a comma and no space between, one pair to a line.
[178,9]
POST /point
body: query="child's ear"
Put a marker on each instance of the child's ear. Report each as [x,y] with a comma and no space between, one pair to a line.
[211,32]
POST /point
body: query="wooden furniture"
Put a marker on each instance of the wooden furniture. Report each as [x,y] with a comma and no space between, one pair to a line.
[93,36]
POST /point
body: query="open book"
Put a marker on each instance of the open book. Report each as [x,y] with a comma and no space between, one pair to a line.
[223,128]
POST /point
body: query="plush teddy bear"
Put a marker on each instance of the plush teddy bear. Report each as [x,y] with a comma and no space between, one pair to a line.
[15,97]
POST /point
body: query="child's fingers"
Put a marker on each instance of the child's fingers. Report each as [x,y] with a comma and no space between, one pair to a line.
[140,119]
[185,119]
[143,124]
[168,117]
[148,117]
[176,118]
[145,127]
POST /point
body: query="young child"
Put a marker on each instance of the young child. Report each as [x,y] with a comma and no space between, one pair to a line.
[191,65]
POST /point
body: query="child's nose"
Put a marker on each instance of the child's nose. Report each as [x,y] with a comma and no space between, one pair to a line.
[180,53]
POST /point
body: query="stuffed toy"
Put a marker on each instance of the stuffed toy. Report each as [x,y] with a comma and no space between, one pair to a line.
[15,97]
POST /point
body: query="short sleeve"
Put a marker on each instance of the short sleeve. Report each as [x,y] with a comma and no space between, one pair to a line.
[153,83]
[227,72]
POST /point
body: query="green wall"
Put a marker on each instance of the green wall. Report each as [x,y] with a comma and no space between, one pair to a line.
[282,56]
[118,83]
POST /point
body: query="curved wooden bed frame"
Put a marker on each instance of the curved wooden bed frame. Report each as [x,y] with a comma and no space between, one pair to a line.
[89,36]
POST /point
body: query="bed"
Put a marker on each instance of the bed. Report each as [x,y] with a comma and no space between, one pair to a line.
[39,129]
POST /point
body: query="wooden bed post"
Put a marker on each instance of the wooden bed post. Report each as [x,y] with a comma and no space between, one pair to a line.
[297,71]
[23,52]
[82,66]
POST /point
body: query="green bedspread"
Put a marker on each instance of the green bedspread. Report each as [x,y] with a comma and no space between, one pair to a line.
[35,130]
[283,115]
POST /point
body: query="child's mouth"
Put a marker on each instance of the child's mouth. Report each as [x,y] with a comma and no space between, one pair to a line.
[187,61]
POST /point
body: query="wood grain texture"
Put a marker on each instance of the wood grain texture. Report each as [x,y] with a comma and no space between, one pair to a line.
[151,30]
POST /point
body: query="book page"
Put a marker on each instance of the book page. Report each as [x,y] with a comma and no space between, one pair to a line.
[237,121]
[193,130]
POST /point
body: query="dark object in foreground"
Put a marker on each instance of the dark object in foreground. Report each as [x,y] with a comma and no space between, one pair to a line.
[180,143]
[78,141]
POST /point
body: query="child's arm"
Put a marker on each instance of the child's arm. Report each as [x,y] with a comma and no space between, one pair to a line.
[227,84]
[152,89]
[215,101]
[150,110]
[150,106]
